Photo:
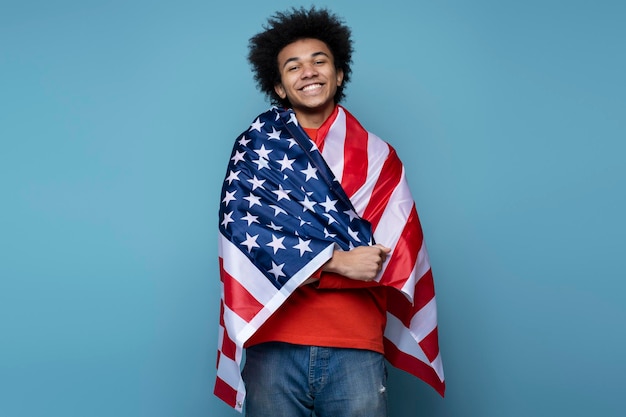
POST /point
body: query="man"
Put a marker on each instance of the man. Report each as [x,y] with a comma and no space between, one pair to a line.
[307,291]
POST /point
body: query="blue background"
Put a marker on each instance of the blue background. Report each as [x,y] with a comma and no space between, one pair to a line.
[116,123]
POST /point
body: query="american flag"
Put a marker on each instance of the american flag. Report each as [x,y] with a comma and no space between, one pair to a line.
[287,205]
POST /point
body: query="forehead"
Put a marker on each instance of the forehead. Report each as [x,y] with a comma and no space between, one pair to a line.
[303,48]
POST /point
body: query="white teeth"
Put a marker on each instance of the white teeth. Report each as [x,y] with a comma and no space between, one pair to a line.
[311,87]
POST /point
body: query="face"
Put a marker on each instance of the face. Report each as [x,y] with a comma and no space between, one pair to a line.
[309,79]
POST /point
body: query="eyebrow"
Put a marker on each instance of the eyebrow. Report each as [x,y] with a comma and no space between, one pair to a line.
[313,55]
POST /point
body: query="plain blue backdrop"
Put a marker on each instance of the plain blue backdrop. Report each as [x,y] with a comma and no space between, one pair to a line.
[116,124]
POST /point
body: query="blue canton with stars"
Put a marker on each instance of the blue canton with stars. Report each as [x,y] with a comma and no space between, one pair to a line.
[281,204]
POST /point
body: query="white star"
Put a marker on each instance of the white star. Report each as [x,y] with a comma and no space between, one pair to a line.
[250,218]
[331,219]
[292,142]
[329,205]
[303,246]
[281,193]
[274,227]
[331,235]
[286,163]
[262,152]
[229,197]
[313,146]
[277,210]
[244,141]
[237,157]
[351,214]
[233,175]
[257,125]
[250,242]
[276,243]
[275,134]
[310,172]
[252,200]
[302,222]
[308,204]
[277,270]
[353,234]
[262,163]
[309,193]
[227,219]
[292,119]
[256,183]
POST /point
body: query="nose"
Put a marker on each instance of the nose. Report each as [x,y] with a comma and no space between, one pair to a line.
[309,71]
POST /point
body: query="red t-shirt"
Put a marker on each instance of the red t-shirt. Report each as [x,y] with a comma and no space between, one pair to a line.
[335,311]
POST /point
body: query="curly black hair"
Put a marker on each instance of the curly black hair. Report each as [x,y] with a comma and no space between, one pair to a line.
[287,27]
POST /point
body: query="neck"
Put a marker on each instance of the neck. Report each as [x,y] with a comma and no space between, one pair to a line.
[313,118]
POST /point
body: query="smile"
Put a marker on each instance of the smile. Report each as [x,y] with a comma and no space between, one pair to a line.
[311,87]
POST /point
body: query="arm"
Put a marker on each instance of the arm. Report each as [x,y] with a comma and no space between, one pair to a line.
[356,268]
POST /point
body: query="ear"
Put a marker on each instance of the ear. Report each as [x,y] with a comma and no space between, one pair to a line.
[280,91]
[339,76]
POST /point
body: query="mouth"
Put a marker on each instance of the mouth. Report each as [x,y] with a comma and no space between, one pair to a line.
[311,87]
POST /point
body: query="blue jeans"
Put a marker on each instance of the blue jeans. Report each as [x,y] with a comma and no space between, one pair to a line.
[285,380]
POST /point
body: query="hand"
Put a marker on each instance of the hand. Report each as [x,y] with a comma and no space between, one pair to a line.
[362,263]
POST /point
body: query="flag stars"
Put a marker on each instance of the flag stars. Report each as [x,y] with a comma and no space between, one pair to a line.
[303,246]
[286,163]
[238,157]
[252,200]
[262,163]
[232,176]
[243,141]
[281,193]
[354,234]
[276,243]
[277,210]
[257,125]
[308,204]
[274,134]
[256,183]
[250,218]
[274,227]
[351,214]
[262,152]
[310,172]
[277,270]
[329,205]
[331,219]
[250,242]
[227,219]
[230,196]
[292,119]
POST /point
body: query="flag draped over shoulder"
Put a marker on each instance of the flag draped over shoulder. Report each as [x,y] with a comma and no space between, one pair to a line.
[287,205]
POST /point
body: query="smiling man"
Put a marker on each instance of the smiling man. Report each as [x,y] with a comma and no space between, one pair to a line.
[323,267]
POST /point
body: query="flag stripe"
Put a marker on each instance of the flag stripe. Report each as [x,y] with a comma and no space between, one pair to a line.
[237,298]
[388,180]
[414,366]
[355,150]
[406,249]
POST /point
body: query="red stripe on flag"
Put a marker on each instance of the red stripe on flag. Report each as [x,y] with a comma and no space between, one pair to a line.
[414,366]
[355,151]
[401,307]
[405,253]
[388,180]
[229,348]
[237,298]
[225,392]
[430,345]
